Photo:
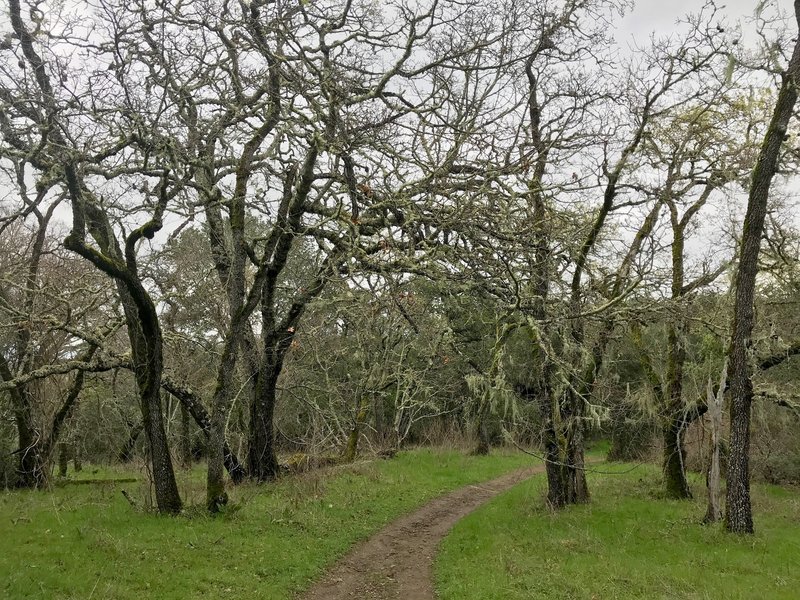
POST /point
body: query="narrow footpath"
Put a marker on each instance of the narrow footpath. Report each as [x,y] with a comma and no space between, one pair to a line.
[397,562]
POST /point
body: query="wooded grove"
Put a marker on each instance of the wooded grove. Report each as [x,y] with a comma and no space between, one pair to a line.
[266,236]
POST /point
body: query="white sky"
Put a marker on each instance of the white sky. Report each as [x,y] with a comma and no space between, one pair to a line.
[635,28]
[661,15]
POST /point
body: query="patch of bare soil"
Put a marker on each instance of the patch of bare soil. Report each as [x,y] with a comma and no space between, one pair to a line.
[397,562]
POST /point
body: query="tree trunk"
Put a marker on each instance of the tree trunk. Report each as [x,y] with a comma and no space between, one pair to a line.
[738,511]
[351,449]
[31,471]
[675,483]
[578,466]
[624,444]
[482,432]
[558,494]
[30,468]
[575,448]
[715,404]
[63,459]
[216,496]
[35,449]
[262,462]
[168,498]
[379,418]
[144,332]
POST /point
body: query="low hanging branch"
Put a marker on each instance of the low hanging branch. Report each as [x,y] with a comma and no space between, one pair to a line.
[790,401]
[779,358]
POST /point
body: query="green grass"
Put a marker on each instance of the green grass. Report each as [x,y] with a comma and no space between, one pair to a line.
[627,543]
[86,541]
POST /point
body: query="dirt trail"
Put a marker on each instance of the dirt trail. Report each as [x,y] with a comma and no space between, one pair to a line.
[397,562]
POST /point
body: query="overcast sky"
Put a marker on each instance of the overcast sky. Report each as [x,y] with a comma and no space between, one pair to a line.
[661,15]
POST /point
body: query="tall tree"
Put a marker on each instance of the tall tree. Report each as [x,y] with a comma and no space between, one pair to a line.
[698,149]
[738,509]
[59,114]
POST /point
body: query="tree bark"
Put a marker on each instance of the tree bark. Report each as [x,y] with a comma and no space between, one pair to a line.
[379,418]
[262,461]
[715,403]
[738,510]
[216,496]
[351,448]
[63,459]
[31,471]
[484,444]
[676,485]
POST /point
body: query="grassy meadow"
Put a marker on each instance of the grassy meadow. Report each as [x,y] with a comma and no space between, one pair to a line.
[628,542]
[83,541]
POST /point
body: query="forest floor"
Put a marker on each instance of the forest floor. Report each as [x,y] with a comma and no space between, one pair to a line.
[628,542]
[86,541]
[397,562]
[277,540]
